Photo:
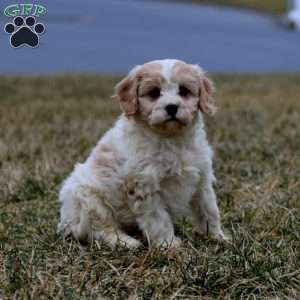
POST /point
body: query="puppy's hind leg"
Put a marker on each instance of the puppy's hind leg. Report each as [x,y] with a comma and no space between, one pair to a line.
[73,219]
[85,215]
[104,227]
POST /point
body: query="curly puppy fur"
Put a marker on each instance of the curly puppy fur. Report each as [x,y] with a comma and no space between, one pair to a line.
[153,166]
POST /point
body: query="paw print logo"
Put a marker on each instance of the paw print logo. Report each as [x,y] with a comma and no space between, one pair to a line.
[24,31]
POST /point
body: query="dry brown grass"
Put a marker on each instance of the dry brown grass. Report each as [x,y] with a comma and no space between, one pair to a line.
[49,123]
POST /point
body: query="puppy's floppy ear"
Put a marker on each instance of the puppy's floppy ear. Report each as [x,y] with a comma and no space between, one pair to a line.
[126,93]
[206,100]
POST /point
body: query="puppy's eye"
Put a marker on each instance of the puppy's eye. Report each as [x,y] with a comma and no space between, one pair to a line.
[154,93]
[184,91]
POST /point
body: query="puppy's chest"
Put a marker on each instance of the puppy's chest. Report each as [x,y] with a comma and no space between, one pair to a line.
[171,169]
[178,186]
[174,175]
[167,158]
[178,169]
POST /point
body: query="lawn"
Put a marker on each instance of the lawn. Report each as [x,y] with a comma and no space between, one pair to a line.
[271,6]
[49,123]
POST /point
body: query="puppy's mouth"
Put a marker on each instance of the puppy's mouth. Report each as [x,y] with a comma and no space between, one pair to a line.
[175,120]
[172,119]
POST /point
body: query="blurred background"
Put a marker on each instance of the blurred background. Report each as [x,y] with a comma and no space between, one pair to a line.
[111,36]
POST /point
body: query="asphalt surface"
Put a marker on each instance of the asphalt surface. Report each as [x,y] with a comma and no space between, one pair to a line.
[111,36]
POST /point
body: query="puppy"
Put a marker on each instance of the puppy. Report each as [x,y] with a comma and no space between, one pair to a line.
[153,166]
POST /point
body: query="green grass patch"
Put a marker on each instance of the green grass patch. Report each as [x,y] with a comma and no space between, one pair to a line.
[49,123]
[271,6]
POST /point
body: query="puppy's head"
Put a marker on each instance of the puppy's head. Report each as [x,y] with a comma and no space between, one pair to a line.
[167,95]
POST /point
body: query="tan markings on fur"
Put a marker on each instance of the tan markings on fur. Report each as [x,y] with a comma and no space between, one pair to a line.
[149,77]
[151,67]
[182,70]
[148,82]
[105,160]
[126,90]
[133,191]
[186,75]
[195,79]
[105,157]
[104,148]
[207,102]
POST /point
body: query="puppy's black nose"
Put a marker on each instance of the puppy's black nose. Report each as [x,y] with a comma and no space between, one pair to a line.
[172,109]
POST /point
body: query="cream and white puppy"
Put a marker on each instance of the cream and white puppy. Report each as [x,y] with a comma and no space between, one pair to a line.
[153,166]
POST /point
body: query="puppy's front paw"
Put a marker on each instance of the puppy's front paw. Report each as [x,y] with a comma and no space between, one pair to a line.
[130,243]
[220,236]
[215,234]
[114,239]
[63,229]
[175,242]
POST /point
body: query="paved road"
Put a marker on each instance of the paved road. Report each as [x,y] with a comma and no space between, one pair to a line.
[113,35]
